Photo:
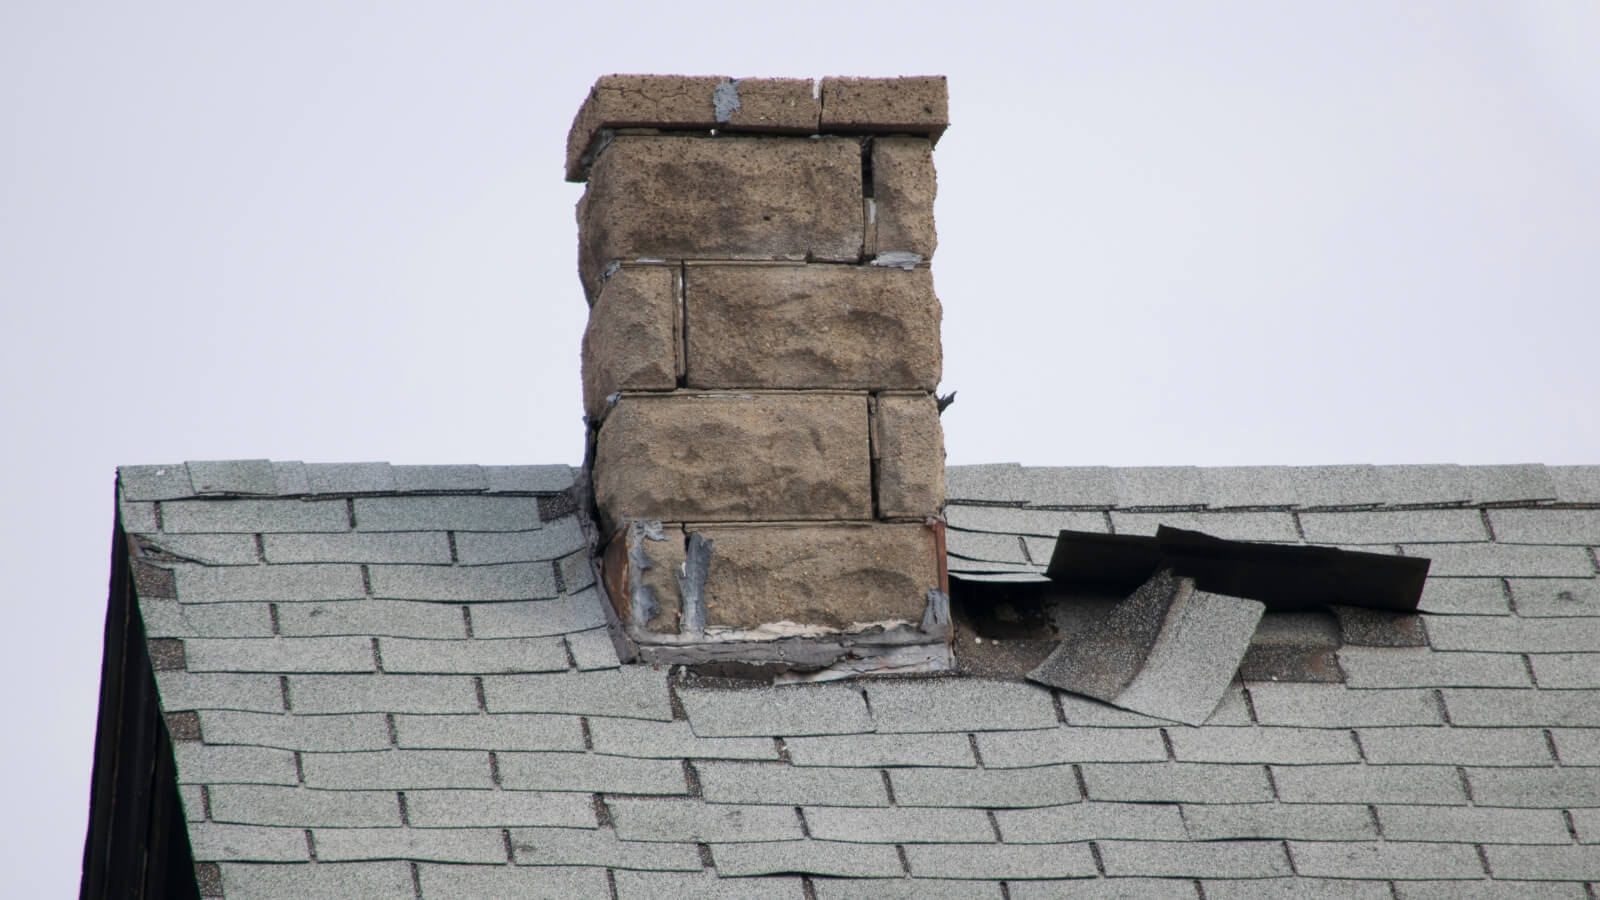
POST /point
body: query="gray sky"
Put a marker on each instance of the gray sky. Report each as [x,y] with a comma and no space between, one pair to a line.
[1169,233]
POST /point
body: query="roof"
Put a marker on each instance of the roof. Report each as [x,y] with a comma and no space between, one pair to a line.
[397,681]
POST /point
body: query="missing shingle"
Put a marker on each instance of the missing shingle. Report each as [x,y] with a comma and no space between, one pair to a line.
[166,654]
[556,506]
[208,879]
[183,727]
[706,862]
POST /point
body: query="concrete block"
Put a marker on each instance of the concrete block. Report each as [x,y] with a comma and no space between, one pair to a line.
[783,105]
[633,339]
[741,457]
[908,455]
[915,105]
[810,326]
[903,188]
[673,198]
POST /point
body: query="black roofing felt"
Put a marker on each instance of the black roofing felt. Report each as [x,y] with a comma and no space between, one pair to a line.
[396,681]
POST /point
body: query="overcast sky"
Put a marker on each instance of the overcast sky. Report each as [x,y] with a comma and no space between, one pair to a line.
[1169,233]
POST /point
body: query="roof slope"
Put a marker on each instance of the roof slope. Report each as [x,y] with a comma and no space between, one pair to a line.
[395,682]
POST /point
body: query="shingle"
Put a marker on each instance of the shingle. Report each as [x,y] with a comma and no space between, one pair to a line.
[1105,889]
[398,769]
[1176,782]
[1535,788]
[1473,825]
[630,693]
[185,690]
[475,656]
[289,584]
[137,518]
[439,478]
[1233,526]
[1509,484]
[168,482]
[1587,822]
[498,809]
[505,731]
[367,618]
[279,654]
[1544,863]
[634,885]
[382,693]
[169,618]
[253,516]
[1546,526]
[1419,526]
[1378,667]
[1007,861]
[593,649]
[1091,821]
[1422,785]
[247,843]
[233,476]
[759,782]
[576,571]
[1335,486]
[638,819]
[965,704]
[538,618]
[1464,596]
[511,882]
[591,772]
[1577,746]
[1556,596]
[1233,486]
[899,825]
[795,709]
[529,479]
[1084,711]
[204,764]
[1290,746]
[1144,486]
[1576,484]
[465,513]
[317,881]
[1012,520]
[211,549]
[399,547]
[953,750]
[291,478]
[1489,890]
[1488,706]
[1211,859]
[1334,706]
[1456,746]
[1504,559]
[461,584]
[1277,821]
[1389,859]
[554,540]
[1016,749]
[1423,484]
[365,731]
[1093,486]
[994,481]
[811,857]
[672,740]
[985,788]
[979,545]
[914,889]
[349,478]
[1514,634]
[467,845]
[252,804]
[193,799]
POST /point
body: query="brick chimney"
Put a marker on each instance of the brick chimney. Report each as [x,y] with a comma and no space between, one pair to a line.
[759,366]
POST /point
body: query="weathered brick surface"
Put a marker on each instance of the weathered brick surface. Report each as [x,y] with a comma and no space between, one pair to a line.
[918,105]
[742,457]
[820,575]
[632,340]
[903,187]
[661,197]
[908,455]
[811,326]
[770,104]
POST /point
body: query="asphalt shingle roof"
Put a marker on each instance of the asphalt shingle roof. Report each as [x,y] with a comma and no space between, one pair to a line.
[395,681]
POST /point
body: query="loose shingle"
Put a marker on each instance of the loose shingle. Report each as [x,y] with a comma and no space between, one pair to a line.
[593,649]
[1473,825]
[468,845]
[672,740]
[529,479]
[398,769]
[810,857]
[1464,596]
[1177,782]
[1277,821]
[399,547]
[1233,526]
[899,825]
[1395,667]
[204,764]
[1005,861]
[1420,526]
[185,690]
[1489,706]
[634,885]
[247,843]
[1017,749]
[1389,859]
[1045,523]
[464,513]
[951,750]
[634,692]
[978,545]
[462,584]
[1456,746]
[509,882]
[1091,821]
[591,772]
[640,819]
[952,704]
[795,709]
[168,482]
[1514,634]
[382,693]
[503,731]
[279,654]
[253,516]
[349,478]
[1536,788]
[365,731]
[211,549]
[756,782]
[1483,560]
[1556,596]
[137,518]
[1289,746]
[439,478]
[476,656]
[287,584]
[318,881]
[985,788]
[251,804]
[498,809]
[1209,859]
[1334,706]
[1421,785]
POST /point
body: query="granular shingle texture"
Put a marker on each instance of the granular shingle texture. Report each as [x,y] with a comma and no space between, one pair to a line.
[402,686]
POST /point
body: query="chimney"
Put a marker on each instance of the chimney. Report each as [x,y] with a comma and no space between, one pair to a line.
[759,367]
